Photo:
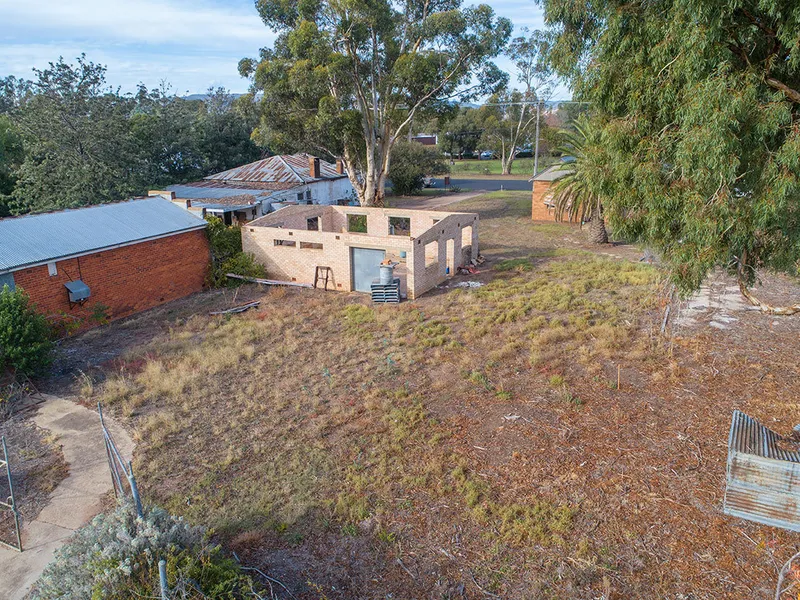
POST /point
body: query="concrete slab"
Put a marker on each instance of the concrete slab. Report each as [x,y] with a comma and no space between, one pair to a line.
[76,499]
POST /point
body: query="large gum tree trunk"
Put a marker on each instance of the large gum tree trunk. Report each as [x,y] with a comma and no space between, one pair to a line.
[370,185]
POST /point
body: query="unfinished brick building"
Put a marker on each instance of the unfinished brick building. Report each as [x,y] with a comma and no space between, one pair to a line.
[428,245]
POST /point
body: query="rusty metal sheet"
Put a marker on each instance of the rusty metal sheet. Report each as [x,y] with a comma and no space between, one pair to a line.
[763,475]
[283,168]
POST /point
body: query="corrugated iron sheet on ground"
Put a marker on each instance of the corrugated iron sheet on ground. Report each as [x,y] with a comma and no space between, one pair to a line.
[35,239]
[284,168]
[763,475]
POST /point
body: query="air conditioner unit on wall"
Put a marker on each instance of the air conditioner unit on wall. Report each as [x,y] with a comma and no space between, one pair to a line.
[78,291]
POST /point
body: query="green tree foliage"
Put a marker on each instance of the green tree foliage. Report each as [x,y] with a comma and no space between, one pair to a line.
[78,148]
[702,107]
[227,255]
[461,133]
[509,118]
[579,193]
[115,557]
[11,154]
[68,139]
[411,162]
[25,344]
[348,78]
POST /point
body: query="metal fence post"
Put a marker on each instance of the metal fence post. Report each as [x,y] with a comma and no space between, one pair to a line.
[11,504]
[162,576]
[134,490]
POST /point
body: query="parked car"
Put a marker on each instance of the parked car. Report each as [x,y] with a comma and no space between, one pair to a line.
[428,181]
[487,155]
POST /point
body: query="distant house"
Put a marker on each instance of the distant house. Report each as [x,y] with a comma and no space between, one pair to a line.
[88,265]
[542,202]
[250,191]
[426,139]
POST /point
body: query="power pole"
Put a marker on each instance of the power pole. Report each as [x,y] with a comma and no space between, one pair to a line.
[536,151]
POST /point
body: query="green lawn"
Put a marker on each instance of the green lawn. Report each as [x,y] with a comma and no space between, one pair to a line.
[522,167]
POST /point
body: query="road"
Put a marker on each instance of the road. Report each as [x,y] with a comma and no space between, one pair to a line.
[491,185]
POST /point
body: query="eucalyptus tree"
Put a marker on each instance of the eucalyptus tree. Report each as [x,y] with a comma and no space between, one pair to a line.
[511,116]
[77,145]
[346,78]
[702,101]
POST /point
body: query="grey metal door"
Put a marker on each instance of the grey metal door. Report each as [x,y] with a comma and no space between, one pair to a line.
[365,266]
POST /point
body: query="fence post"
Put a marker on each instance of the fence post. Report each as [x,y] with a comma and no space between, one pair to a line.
[162,576]
[134,490]
[13,505]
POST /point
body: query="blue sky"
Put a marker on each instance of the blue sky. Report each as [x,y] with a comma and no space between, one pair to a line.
[190,44]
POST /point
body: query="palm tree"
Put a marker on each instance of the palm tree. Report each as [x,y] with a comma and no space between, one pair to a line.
[576,193]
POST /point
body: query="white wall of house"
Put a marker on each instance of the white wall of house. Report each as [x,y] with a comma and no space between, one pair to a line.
[326,191]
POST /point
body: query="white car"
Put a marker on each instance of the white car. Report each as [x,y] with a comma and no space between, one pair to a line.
[428,181]
[487,155]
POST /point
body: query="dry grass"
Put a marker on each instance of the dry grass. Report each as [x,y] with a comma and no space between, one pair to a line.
[471,437]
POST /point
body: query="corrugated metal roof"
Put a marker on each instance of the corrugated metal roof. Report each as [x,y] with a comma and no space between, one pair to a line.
[35,239]
[750,437]
[552,173]
[284,168]
[763,475]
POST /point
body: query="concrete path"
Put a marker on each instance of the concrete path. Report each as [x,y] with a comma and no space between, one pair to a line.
[76,499]
[715,304]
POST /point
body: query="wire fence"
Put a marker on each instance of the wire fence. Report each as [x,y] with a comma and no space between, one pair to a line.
[8,504]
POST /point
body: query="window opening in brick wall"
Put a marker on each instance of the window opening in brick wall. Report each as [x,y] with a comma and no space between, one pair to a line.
[400,226]
[300,196]
[357,223]
[285,243]
[308,194]
[312,224]
[52,270]
[311,246]
[431,254]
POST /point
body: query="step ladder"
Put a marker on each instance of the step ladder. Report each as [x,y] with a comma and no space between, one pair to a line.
[322,275]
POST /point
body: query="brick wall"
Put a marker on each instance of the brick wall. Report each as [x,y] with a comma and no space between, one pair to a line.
[449,237]
[542,192]
[456,234]
[126,280]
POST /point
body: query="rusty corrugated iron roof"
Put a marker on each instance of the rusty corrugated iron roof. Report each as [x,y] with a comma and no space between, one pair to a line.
[763,475]
[241,185]
[293,169]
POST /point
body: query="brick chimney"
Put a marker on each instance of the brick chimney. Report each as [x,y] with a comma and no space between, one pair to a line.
[164,194]
[188,203]
[313,167]
[340,166]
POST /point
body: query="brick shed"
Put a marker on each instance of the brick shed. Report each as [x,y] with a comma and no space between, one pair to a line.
[428,245]
[130,255]
[542,205]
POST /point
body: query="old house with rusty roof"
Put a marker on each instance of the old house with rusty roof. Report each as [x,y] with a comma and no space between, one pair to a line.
[245,193]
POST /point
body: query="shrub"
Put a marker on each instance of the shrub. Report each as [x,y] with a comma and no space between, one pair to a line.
[227,255]
[25,335]
[411,162]
[116,556]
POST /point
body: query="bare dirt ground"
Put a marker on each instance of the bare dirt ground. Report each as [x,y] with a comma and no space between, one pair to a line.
[37,465]
[470,444]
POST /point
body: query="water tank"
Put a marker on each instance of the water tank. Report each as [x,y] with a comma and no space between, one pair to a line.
[387,273]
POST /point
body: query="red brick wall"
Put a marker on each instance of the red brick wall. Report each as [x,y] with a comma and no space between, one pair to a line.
[540,211]
[126,280]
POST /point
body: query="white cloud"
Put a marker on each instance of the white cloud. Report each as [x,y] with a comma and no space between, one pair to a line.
[151,22]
